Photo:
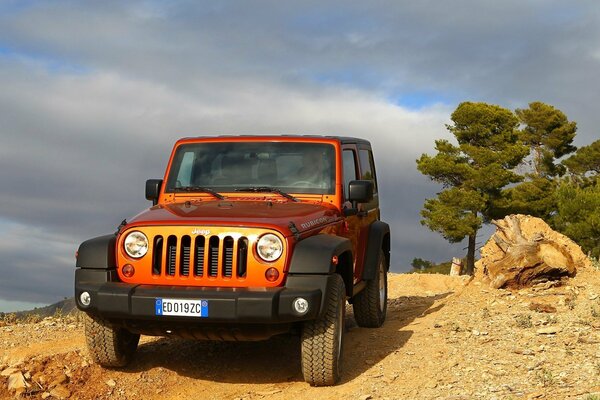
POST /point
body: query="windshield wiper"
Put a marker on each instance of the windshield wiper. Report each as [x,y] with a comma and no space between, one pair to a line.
[267,189]
[200,189]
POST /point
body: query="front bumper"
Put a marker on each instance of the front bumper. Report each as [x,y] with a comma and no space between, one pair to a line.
[114,300]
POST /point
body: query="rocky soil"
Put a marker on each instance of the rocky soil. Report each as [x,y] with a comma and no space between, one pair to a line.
[445,338]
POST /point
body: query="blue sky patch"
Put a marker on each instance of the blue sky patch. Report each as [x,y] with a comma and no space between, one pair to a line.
[419,99]
[53,65]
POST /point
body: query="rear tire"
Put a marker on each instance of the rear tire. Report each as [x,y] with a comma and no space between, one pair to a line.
[322,339]
[370,305]
[109,346]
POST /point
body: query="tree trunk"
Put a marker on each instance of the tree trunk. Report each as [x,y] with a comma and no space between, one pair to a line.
[522,260]
[471,254]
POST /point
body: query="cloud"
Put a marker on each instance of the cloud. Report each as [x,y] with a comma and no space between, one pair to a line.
[94,95]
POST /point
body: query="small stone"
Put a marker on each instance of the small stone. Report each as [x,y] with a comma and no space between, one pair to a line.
[542,308]
[45,395]
[59,380]
[60,392]
[548,330]
[593,296]
[365,397]
[535,395]
[9,371]
[266,393]
[17,383]
[111,383]
[475,332]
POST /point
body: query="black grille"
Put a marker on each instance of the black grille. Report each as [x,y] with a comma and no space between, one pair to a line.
[184,260]
[242,261]
[158,255]
[213,256]
[200,255]
[227,261]
[171,255]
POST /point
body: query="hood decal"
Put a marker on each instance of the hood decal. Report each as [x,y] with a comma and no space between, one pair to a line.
[314,222]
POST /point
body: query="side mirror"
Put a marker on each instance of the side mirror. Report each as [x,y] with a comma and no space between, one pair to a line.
[360,191]
[153,190]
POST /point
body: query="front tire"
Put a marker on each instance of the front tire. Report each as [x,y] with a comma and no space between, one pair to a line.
[109,346]
[370,305]
[322,339]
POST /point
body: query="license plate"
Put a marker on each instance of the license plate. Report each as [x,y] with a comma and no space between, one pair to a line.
[181,307]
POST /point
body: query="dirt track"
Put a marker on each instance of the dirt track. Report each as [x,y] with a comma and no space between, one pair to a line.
[441,340]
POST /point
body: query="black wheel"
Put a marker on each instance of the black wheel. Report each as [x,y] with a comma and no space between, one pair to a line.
[370,305]
[109,346]
[322,339]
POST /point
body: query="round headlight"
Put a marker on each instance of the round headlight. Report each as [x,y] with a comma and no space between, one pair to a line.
[269,247]
[136,244]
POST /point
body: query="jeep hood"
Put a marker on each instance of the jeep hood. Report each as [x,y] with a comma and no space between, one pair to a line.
[265,214]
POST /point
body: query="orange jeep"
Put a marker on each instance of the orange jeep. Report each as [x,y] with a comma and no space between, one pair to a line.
[248,237]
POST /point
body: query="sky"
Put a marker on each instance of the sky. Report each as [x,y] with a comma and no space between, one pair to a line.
[94,94]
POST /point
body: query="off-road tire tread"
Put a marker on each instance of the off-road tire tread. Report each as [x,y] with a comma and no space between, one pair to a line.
[320,361]
[109,346]
[366,304]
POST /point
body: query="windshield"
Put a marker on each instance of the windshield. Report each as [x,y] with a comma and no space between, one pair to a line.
[295,167]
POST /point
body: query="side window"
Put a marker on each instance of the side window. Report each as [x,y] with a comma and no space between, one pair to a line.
[349,169]
[368,167]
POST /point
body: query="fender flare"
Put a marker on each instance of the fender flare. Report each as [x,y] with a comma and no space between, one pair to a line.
[97,253]
[314,255]
[379,240]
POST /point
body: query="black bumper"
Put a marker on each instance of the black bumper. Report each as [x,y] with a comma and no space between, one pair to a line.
[115,300]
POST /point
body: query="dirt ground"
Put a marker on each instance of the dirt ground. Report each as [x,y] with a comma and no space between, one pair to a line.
[444,338]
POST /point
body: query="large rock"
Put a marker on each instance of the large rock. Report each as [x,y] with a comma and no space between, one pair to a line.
[524,251]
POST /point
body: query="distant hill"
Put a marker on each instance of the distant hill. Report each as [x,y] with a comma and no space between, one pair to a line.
[63,307]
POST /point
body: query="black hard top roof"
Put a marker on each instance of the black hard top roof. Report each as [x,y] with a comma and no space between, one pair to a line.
[342,139]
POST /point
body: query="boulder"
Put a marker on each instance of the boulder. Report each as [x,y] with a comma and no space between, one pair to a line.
[525,251]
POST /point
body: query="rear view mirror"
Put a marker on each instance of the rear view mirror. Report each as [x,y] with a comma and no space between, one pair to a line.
[360,191]
[153,190]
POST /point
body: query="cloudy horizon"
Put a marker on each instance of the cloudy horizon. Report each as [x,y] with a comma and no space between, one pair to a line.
[94,94]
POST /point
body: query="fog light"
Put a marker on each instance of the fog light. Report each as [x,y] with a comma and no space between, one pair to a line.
[300,305]
[128,270]
[272,274]
[85,299]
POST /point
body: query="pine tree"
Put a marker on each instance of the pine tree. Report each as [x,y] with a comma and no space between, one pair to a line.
[586,161]
[549,135]
[474,173]
[578,214]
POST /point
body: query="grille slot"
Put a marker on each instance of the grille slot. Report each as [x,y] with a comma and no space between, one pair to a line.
[242,257]
[213,256]
[157,255]
[184,260]
[171,255]
[200,256]
[227,261]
